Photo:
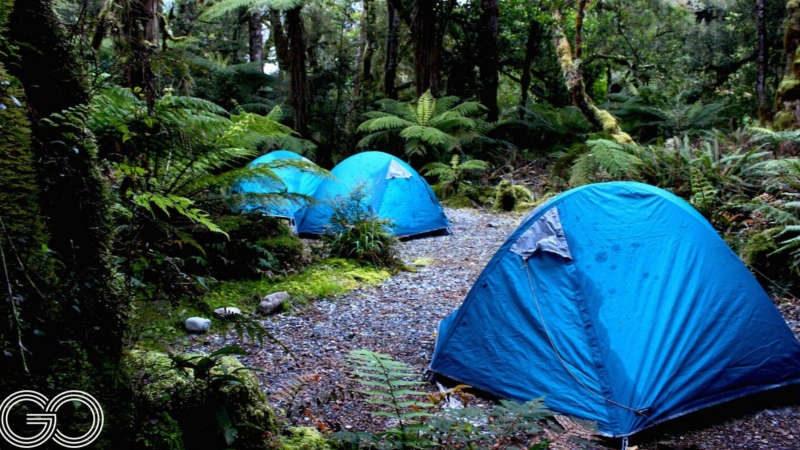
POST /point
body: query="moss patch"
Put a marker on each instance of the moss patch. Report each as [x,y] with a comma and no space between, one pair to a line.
[324,279]
[158,322]
[422,262]
[304,438]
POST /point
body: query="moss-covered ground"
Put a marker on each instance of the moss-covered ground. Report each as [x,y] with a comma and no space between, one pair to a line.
[158,324]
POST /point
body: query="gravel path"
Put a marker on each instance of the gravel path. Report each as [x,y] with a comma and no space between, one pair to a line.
[399,317]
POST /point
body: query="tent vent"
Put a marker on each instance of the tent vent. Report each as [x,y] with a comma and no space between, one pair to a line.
[396,171]
[546,234]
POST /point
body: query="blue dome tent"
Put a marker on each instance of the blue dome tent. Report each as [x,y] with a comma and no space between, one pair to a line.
[292,180]
[618,303]
[393,190]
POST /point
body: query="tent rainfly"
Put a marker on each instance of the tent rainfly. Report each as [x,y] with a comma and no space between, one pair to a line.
[392,190]
[292,180]
[618,303]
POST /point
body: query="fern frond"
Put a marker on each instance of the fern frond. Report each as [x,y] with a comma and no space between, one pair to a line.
[223,7]
[426,106]
[388,122]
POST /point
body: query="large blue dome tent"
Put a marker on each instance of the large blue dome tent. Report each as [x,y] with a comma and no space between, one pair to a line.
[618,303]
[392,189]
[293,180]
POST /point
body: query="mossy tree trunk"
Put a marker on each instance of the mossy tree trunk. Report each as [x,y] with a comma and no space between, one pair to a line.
[392,46]
[297,68]
[787,97]
[256,36]
[764,112]
[83,318]
[573,78]
[488,56]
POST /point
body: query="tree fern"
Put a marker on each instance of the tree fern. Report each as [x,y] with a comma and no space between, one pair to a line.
[222,7]
[429,124]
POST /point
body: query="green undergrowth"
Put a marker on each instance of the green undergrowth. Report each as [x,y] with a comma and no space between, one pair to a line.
[156,323]
[326,278]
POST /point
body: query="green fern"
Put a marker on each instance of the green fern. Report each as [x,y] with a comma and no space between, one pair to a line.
[222,7]
[429,124]
[450,178]
[389,385]
[606,160]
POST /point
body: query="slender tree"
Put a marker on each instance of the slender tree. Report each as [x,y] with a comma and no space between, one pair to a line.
[531,44]
[763,103]
[392,45]
[297,69]
[787,98]
[573,78]
[278,37]
[256,28]
[366,50]
[488,57]
[427,24]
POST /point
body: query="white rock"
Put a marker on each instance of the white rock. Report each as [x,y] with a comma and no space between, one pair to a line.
[227,311]
[197,324]
[272,302]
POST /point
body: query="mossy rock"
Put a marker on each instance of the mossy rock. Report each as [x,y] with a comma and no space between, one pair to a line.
[175,410]
[304,438]
[512,197]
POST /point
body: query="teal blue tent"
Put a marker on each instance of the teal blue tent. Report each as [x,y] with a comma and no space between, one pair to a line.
[292,180]
[393,190]
[618,303]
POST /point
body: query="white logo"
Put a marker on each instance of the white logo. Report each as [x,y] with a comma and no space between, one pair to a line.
[47,419]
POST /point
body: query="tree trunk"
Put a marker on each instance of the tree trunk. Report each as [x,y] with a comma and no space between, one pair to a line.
[763,104]
[101,28]
[297,69]
[139,22]
[573,78]
[366,50]
[256,37]
[279,40]
[787,97]
[390,65]
[534,34]
[152,9]
[84,312]
[487,53]
[426,52]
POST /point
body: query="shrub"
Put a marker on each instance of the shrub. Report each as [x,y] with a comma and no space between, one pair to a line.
[355,232]
[512,197]
[391,386]
[257,245]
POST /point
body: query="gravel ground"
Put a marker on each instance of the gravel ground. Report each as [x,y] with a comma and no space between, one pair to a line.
[399,317]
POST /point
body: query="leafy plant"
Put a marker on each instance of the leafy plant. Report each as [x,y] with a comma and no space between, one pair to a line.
[502,426]
[431,124]
[355,232]
[451,177]
[222,7]
[389,385]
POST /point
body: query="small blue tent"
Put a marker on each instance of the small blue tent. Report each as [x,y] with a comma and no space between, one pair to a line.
[292,180]
[393,190]
[618,303]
